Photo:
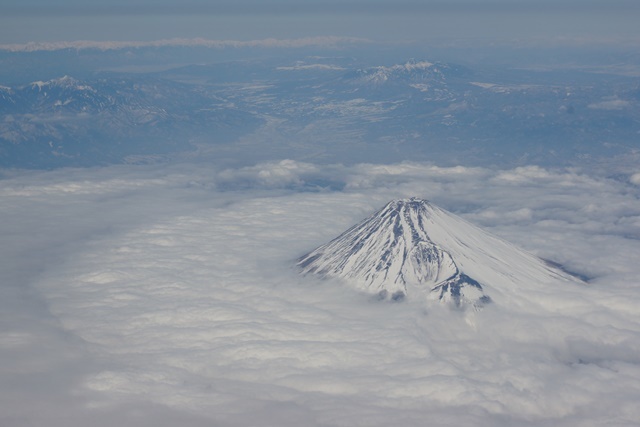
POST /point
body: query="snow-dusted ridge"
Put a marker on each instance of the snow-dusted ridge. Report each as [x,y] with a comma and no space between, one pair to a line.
[412,71]
[64,83]
[413,248]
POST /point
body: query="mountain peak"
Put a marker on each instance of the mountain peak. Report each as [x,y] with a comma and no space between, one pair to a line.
[412,248]
[411,70]
[414,203]
[63,83]
[391,253]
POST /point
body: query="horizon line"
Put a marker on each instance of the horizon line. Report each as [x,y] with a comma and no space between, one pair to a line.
[327,41]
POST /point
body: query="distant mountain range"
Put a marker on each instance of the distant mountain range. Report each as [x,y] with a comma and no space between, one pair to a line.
[66,121]
[326,109]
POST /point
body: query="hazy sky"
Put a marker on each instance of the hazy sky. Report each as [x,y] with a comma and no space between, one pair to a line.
[39,20]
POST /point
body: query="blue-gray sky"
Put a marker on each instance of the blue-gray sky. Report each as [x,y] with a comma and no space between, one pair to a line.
[39,20]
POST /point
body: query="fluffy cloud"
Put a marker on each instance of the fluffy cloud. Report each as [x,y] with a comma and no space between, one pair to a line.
[167,295]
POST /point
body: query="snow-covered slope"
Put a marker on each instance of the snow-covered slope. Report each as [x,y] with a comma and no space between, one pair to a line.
[410,72]
[411,247]
[66,121]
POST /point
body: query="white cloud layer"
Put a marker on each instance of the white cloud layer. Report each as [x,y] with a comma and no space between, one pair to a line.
[166,295]
[323,41]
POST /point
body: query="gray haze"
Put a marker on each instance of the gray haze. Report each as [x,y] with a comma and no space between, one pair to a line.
[428,21]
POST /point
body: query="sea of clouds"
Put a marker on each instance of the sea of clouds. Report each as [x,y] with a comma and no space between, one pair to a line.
[167,294]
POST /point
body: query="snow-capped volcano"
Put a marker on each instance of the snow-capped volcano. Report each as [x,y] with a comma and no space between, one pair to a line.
[411,248]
